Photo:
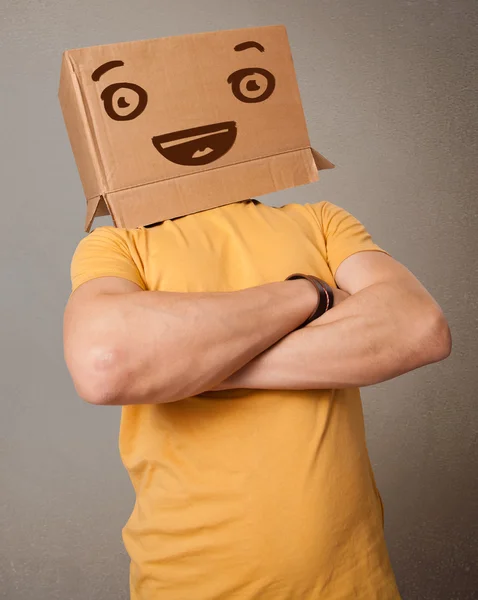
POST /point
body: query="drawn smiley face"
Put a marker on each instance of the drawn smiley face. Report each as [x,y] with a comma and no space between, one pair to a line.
[197,145]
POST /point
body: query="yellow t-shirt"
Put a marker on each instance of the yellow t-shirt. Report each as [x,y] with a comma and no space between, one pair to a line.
[246,494]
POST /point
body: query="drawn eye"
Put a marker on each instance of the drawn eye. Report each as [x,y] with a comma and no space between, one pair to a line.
[252,85]
[124,101]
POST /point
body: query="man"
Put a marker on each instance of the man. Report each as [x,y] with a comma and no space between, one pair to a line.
[242,431]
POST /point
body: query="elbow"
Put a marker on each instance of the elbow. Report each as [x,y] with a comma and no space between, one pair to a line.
[438,344]
[442,337]
[96,377]
[98,393]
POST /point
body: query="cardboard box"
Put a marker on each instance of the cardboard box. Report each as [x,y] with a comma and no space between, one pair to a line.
[166,127]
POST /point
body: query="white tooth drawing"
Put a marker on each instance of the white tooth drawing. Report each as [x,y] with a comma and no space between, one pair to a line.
[199,153]
[190,138]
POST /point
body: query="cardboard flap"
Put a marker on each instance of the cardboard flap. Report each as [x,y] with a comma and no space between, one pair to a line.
[95,207]
[152,203]
[320,161]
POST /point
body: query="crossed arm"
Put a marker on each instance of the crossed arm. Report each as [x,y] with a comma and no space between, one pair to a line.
[124,346]
[388,325]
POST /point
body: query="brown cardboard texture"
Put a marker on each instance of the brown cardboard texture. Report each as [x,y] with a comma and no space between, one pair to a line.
[166,127]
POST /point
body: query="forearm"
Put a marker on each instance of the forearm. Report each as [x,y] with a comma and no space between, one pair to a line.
[169,346]
[365,340]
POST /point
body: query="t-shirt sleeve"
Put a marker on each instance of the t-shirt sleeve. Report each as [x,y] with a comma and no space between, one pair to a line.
[103,253]
[343,234]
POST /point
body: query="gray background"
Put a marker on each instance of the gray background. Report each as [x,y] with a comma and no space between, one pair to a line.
[389,90]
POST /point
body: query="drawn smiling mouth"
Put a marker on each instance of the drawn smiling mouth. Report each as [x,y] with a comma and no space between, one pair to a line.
[198,145]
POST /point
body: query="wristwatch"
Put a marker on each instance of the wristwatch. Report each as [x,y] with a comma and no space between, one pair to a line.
[325,300]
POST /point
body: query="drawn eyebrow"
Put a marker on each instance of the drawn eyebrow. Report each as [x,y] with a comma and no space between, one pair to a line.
[246,45]
[101,70]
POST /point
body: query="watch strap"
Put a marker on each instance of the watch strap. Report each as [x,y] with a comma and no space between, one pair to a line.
[325,299]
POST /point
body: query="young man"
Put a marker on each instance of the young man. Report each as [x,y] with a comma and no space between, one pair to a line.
[242,431]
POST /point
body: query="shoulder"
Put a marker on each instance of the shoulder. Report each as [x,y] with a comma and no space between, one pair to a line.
[325,211]
[107,236]
[109,232]
[107,251]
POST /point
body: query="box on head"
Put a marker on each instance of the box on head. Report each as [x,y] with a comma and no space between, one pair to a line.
[167,127]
